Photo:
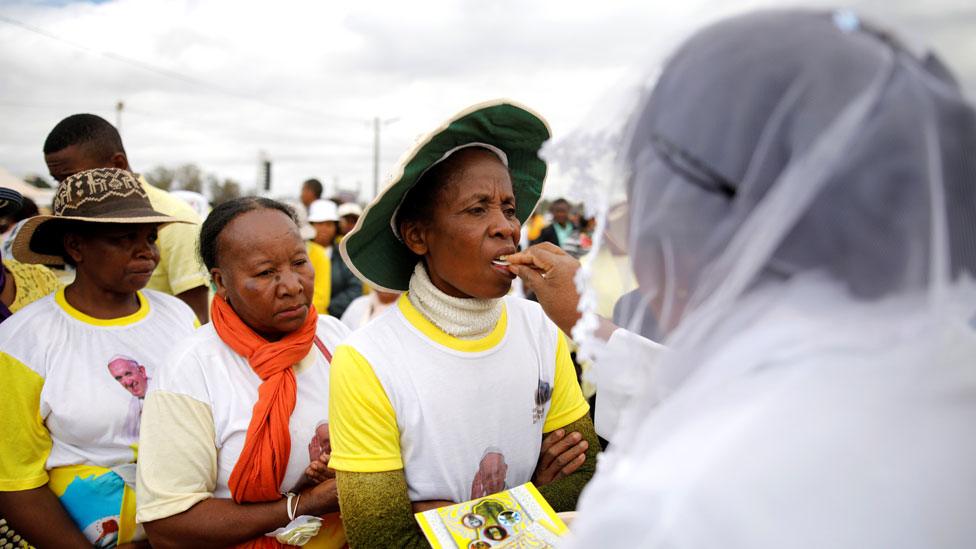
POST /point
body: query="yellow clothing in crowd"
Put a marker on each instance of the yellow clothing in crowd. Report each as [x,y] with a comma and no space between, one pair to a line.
[32,282]
[180,268]
[612,278]
[318,256]
[536,223]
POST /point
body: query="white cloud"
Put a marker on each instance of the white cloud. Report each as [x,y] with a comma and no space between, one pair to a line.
[302,80]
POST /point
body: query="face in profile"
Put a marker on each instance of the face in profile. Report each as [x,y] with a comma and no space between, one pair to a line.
[78,158]
[264,273]
[308,195]
[130,374]
[474,223]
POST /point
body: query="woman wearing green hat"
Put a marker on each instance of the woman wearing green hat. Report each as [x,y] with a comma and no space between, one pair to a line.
[446,396]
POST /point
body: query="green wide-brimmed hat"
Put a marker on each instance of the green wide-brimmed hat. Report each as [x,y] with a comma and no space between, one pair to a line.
[375,252]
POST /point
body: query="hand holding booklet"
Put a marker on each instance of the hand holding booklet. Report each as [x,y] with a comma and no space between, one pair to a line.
[518,517]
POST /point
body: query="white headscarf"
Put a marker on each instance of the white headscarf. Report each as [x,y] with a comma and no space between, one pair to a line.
[803,231]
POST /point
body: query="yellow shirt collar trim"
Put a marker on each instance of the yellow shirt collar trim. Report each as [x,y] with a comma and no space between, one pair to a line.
[121,321]
[426,327]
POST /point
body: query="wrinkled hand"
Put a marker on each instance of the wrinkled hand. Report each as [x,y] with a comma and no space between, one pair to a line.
[318,470]
[562,454]
[550,273]
[319,452]
[319,500]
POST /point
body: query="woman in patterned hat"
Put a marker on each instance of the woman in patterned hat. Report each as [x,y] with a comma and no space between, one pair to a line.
[76,364]
[447,395]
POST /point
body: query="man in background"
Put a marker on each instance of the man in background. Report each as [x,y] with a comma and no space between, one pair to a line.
[311,191]
[561,230]
[85,142]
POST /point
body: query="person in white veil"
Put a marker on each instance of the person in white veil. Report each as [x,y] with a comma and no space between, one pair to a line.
[806,240]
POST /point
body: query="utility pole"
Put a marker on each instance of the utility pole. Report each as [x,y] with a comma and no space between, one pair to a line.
[377,123]
[376,156]
[264,174]
[118,115]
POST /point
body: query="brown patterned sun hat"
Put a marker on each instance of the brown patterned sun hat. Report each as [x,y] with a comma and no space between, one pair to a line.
[103,195]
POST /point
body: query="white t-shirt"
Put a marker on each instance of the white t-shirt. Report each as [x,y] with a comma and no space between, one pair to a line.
[357,313]
[458,416]
[363,309]
[66,415]
[197,414]
[64,353]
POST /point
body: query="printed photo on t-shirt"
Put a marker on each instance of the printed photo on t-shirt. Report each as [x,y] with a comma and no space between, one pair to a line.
[492,474]
[133,378]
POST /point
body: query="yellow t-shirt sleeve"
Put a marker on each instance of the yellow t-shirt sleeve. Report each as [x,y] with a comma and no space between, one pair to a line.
[568,403]
[180,268]
[33,282]
[177,456]
[362,423]
[178,244]
[322,289]
[26,441]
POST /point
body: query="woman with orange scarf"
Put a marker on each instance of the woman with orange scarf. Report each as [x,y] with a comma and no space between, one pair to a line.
[240,411]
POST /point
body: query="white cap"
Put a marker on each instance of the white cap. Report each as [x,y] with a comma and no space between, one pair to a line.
[197,201]
[322,210]
[350,208]
[306,231]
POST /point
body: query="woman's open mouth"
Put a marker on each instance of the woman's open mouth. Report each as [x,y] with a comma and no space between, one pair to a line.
[500,264]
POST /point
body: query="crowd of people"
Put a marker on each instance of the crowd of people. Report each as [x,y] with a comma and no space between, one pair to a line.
[785,352]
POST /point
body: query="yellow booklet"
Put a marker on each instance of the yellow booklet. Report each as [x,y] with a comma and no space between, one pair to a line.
[518,517]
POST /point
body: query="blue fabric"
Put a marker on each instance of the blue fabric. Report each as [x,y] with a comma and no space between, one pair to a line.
[94,499]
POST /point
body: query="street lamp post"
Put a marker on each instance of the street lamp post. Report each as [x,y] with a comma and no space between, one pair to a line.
[118,115]
[377,124]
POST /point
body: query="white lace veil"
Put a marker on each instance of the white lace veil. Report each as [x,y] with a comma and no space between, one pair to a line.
[781,157]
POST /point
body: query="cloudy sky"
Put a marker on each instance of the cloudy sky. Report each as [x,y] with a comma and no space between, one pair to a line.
[219,82]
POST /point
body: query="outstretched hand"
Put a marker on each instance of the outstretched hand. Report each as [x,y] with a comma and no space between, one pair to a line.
[550,273]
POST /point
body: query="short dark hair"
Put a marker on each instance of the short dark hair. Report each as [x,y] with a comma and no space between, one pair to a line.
[95,132]
[315,185]
[224,214]
[560,202]
[27,209]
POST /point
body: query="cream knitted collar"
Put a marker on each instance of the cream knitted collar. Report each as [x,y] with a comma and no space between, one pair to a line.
[463,318]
